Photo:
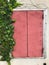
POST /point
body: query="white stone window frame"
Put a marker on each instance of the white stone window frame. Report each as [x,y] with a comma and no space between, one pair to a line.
[38,60]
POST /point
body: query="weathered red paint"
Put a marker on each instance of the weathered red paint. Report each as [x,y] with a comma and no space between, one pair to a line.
[28,33]
[35,39]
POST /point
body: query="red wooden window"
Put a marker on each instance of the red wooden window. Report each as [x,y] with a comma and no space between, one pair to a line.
[28,33]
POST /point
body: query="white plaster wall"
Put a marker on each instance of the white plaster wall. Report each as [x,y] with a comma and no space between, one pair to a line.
[46,2]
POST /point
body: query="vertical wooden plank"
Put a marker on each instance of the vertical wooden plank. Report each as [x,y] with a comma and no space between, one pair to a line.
[20,34]
[35,33]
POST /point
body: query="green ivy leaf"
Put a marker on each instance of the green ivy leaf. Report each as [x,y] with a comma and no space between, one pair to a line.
[7,29]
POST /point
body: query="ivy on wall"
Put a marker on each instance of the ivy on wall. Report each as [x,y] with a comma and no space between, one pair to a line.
[6,29]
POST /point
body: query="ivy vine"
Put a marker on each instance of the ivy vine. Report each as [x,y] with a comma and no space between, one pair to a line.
[6,29]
